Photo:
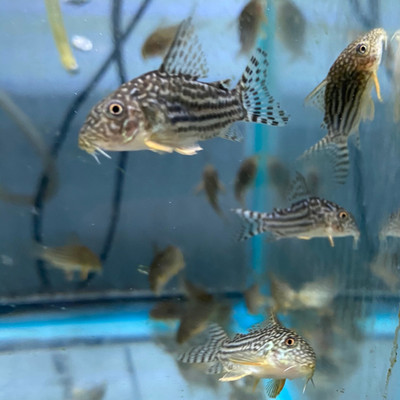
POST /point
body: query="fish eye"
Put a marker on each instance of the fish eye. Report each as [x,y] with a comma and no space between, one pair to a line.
[343,215]
[362,48]
[115,108]
[290,342]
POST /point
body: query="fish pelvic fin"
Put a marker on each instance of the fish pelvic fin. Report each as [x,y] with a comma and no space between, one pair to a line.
[260,106]
[252,223]
[274,387]
[209,351]
[185,56]
[338,154]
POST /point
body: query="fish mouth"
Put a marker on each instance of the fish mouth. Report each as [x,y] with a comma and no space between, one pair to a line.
[86,145]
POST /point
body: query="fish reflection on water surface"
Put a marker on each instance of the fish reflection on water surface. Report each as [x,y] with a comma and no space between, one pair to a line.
[171,110]
[266,351]
[345,97]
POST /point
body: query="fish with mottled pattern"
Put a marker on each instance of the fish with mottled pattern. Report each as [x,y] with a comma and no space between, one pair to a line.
[345,97]
[170,110]
[268,351]
[305,219]
[212,186]
[245,177]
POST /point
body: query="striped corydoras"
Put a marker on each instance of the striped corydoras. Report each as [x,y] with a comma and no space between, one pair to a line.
[345,96]
[171,110]
[267,351]
[308,218]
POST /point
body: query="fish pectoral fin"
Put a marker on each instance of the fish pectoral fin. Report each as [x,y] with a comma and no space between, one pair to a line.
[188,151]
[158,147]
[303,237]
[369,109]
[248,358]
[84,274]
[332,243]
[233,132]
[69,275]
[274,387]
[377,87]
[317,97]
[233,376]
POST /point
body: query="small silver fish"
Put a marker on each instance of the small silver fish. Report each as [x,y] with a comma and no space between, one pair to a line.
[308,218]
[345,96]
[267,351]
[171,110]
[211,186]
[391,227]
[159,41]
[165,265]
[245,177]
[291,26]
[251,19]
[317,294]
[70,258]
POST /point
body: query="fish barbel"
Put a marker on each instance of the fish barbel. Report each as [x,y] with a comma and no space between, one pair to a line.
[345,96]
[171,110]
[308,218]
[267,351]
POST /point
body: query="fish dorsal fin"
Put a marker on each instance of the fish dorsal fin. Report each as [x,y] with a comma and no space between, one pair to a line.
[317,97]
[298,189]
[274,387]
[185,56]
[268,323]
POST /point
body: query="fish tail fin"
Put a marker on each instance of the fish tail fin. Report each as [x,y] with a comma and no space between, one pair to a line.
[260,106]
[338,152]
[252,223]
[209,351]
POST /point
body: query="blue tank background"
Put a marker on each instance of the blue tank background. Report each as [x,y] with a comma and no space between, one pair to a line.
[159,207]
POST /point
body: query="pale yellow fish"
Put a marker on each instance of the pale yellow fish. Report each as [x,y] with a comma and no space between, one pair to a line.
[165,265]
[71,258]
[159,41]
[55,18]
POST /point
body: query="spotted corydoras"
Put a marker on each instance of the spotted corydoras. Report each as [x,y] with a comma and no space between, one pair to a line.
[345,96]
[266,351]
[171,110]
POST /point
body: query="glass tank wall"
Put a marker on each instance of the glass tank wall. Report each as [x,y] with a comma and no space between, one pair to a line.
[113,264]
